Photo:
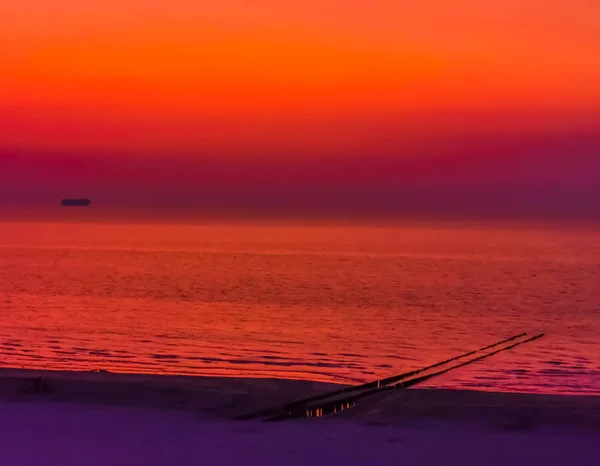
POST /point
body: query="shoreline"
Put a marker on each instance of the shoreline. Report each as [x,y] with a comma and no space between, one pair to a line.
[101,419]
[221,398]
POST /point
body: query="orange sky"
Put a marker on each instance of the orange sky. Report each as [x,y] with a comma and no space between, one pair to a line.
[241,77]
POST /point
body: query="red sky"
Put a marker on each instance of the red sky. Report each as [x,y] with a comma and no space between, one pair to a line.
[236,81]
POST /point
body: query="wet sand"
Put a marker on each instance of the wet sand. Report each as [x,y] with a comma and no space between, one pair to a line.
[218,398]
[211,397]
[105,419]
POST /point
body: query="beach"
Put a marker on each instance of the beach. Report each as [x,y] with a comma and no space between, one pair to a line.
[79,418]
[138,344]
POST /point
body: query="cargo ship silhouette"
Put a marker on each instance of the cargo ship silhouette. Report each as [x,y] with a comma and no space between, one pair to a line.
[84,202]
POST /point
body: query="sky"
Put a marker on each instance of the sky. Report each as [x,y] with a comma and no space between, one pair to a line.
[240,102]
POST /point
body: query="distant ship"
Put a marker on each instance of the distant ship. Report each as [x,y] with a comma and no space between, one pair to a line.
[75,202]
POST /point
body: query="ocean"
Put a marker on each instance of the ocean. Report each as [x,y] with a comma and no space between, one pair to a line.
[343,302]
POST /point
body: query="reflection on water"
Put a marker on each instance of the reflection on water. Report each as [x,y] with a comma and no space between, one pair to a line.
[345,303]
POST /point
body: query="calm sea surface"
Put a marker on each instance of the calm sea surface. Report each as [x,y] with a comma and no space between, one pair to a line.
[346,303]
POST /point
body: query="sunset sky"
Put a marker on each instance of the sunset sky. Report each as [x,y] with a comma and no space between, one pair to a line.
[155,97]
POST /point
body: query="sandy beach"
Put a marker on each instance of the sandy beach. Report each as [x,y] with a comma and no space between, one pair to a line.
[64,418]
